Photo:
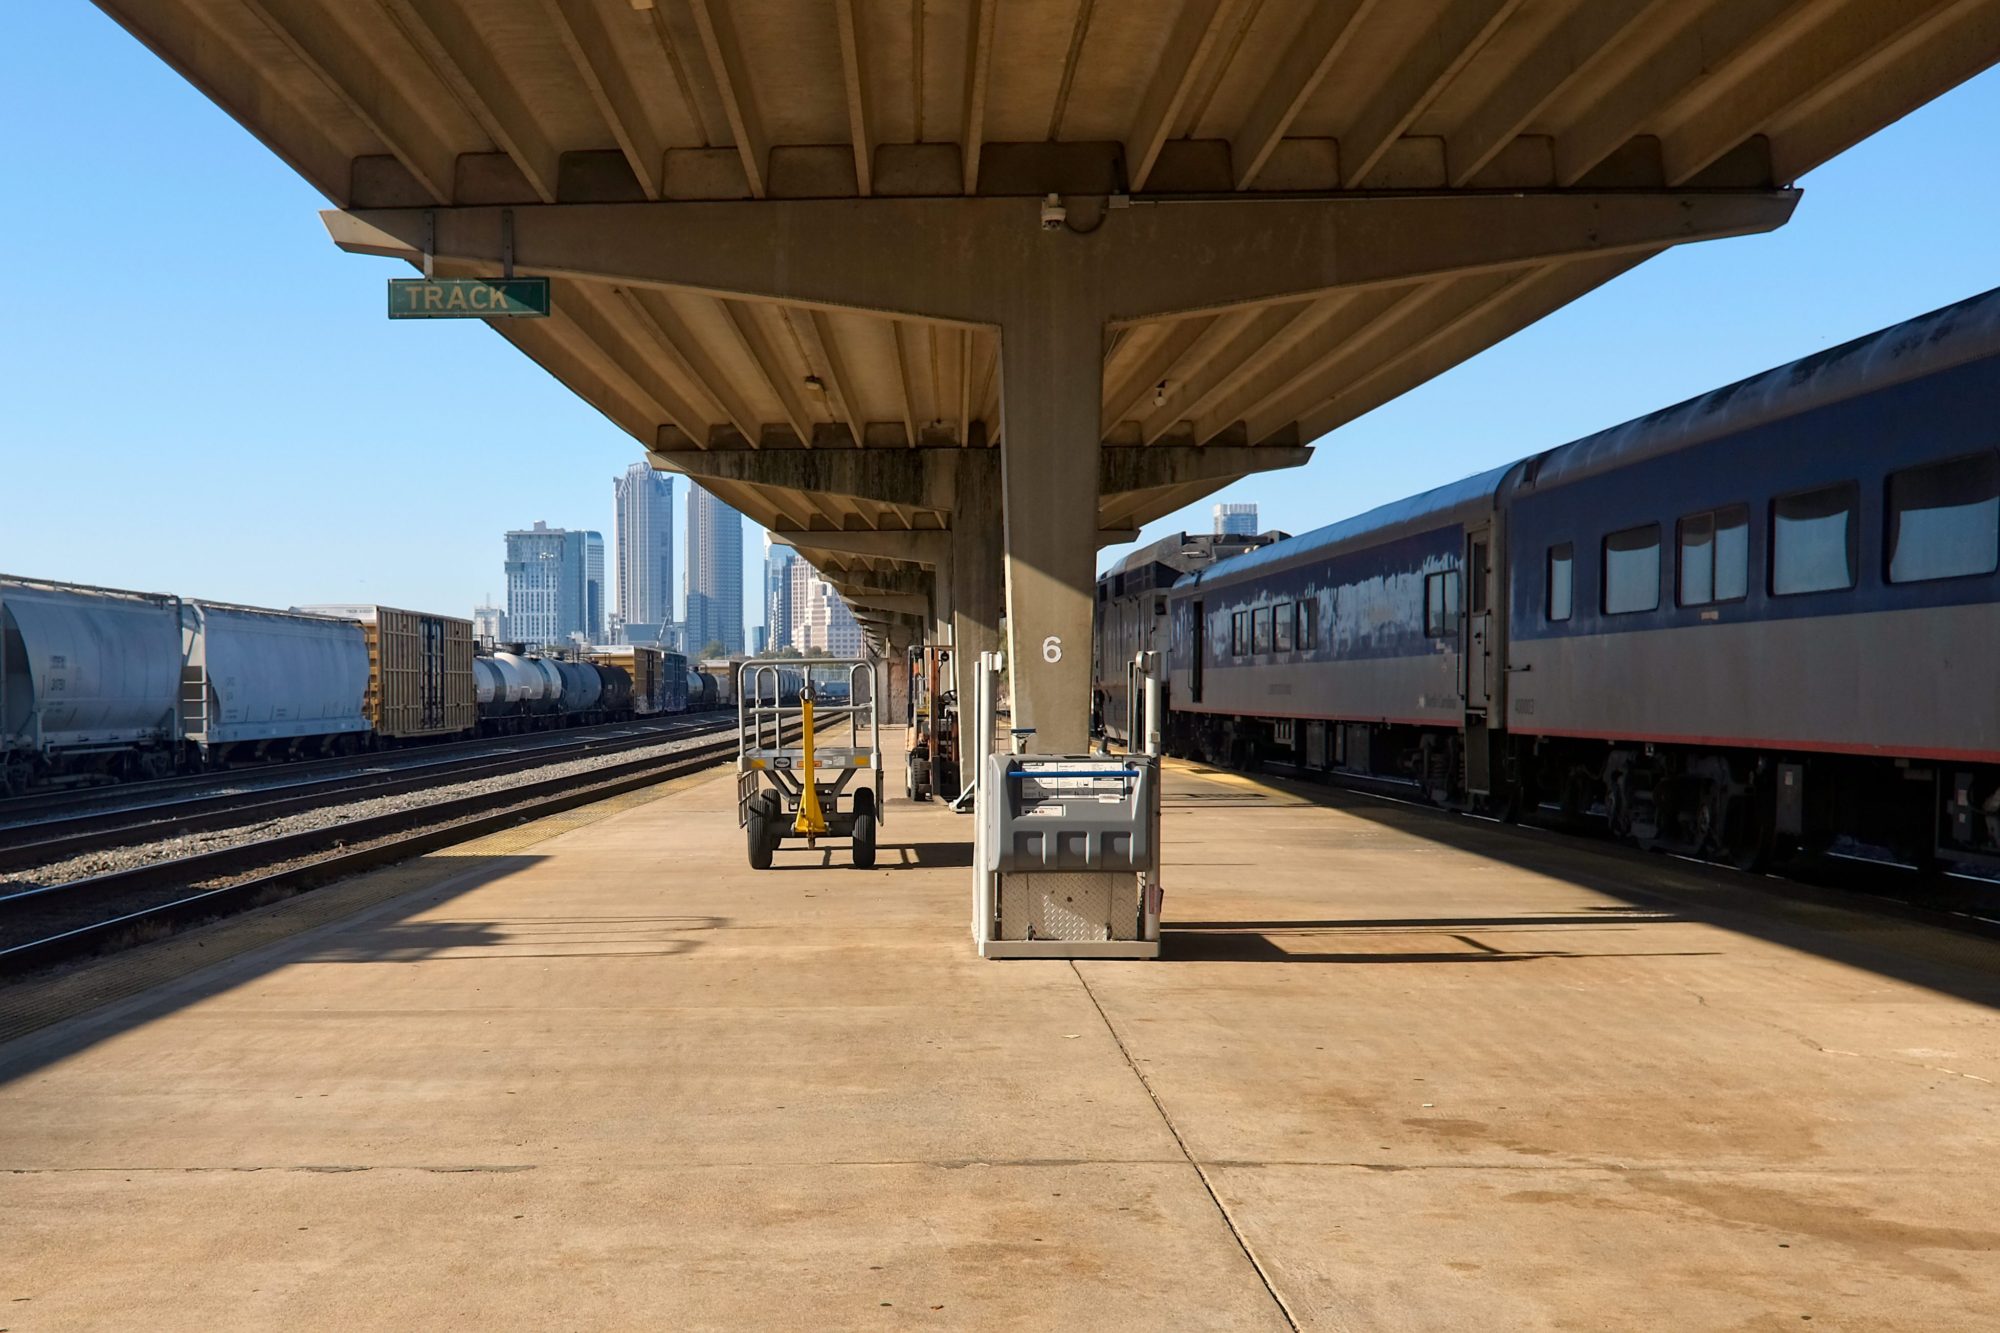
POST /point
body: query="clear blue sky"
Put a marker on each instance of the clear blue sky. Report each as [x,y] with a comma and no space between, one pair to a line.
[203,396]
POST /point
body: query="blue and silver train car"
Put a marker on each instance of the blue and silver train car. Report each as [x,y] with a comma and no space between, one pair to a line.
[1343,644]
[1130,616]
[1774,610]
[1766,618]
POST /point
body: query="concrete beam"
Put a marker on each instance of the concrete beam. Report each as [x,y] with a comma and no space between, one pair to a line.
[1146,467]
[922,548]
[968,261]
[916,582]
[903,603]
[915,478]
[924,478]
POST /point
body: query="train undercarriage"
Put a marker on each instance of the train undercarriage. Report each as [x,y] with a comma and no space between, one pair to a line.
[1746,808]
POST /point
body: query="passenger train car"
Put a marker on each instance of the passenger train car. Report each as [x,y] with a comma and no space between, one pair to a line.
[1762,620]
[1130,616]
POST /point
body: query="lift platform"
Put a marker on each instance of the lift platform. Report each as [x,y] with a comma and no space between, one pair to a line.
[818,787]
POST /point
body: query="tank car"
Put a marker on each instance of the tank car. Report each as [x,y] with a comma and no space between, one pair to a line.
[581,687]
[614,699]
[89,683]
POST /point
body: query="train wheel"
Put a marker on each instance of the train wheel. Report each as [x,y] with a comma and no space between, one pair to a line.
[864,829]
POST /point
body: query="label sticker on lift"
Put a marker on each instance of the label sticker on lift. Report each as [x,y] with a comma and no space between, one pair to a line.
[1102,790]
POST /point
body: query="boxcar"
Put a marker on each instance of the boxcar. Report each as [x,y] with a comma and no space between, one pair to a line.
[420,683]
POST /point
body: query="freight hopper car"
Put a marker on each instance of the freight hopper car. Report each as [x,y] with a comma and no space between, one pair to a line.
[1760,621]
[258,685]
[1130,616]
[90,682]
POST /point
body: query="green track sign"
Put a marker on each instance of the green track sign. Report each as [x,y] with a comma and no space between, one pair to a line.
[468,298]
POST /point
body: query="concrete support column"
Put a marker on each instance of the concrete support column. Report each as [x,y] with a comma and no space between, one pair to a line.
[977,575]
[1051,388]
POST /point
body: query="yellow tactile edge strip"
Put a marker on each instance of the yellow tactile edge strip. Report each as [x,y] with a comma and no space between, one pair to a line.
[89,984]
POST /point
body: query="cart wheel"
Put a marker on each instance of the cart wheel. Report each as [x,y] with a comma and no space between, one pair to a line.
[864,828]
[761,831]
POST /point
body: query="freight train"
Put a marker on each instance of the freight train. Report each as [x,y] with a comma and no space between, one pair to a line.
[1760,622]
[104,685]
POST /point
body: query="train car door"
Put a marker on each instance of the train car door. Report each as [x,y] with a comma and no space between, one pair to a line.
[1198,646]
[1476,659]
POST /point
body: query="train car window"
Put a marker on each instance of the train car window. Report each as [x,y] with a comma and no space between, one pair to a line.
[1562,581]
[1944,519]
[1239,634]
[1281,627]
[1260,630]
[1714,556]
[1308,633]
[1478,563]
[1441,604]
[1632,570]
[1815,540]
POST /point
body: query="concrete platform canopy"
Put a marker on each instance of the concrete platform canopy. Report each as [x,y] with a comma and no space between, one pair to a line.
[830,257]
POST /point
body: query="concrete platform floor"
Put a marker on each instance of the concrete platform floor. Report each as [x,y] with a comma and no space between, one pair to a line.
[1400,1071]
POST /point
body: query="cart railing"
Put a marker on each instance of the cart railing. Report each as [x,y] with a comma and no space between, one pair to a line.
[770,695]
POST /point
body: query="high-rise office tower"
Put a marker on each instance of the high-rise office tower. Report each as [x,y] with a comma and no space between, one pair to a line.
[824,622]
[1236,520]
[714,612]
[645,537]
[541,585]
[778,562]
[594,604]
[555,584]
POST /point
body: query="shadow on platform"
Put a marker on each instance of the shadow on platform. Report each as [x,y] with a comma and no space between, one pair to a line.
[1844,926]
[360,920]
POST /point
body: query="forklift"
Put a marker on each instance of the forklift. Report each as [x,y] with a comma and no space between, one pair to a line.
[931,740]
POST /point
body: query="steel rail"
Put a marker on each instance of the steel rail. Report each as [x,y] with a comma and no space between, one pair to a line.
[42,806]
[126,825]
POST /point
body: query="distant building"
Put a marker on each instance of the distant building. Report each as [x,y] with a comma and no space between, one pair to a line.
[824,622]
[540,598]
[663,634]
[645,536]
[778,561]
[593,601]
[555,585]
[489,624]
[757,633]
[714,611]
[1236,520]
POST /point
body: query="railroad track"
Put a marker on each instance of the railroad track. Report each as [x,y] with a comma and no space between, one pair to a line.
[48,840]
[46,923]
[41,807]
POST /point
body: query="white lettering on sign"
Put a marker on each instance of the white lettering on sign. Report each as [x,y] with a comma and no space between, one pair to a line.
[1052,649]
